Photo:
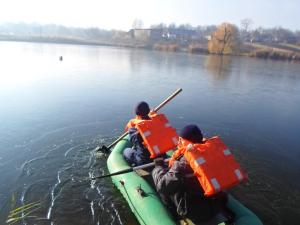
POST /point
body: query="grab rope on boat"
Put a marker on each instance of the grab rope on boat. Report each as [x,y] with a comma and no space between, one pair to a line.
[137,213]
[179,211]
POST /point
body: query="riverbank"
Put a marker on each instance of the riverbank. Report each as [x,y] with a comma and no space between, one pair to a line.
[271,51]
[76,41]
[280,52]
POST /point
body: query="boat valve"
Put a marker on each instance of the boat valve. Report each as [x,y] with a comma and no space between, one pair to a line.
[122,182]
[141,191]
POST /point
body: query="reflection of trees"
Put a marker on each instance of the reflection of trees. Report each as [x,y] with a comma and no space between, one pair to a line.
[218,66]
[153,60]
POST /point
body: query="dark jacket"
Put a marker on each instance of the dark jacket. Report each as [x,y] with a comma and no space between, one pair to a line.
[183,195]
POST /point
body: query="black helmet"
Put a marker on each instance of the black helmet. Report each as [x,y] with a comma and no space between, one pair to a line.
[191,133]
[142,109]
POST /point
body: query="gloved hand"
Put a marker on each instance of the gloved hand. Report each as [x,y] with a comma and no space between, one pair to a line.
[159,162]
[177,170]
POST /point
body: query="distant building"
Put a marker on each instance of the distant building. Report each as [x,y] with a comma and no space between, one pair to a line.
[164,33]
[208,37]
[182,34]
[140,34]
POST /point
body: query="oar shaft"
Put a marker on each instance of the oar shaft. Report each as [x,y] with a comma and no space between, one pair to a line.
[113,174]
[147,165]
[116,141]
[131,169]
[168,99]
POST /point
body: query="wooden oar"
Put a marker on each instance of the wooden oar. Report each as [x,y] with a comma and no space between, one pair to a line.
[107,149]
[131,169]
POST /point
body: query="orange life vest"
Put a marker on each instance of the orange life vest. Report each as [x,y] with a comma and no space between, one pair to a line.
[212,163]
[158,135]
[133,122]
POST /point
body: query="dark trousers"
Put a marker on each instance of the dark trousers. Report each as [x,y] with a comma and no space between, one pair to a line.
[138,154]
[184,196]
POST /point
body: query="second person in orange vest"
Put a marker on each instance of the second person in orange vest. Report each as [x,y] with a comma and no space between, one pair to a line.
[184,195]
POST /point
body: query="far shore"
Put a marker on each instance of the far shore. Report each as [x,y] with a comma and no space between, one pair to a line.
[72,41]
[279,51]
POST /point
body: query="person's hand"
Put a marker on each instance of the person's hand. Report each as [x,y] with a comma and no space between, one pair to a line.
[152,112]
[158,162]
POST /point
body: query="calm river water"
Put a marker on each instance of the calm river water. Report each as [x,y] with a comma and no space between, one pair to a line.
[54,113]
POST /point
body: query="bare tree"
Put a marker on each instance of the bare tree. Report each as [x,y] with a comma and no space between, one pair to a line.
[225,40]
[137,24]
[186,26]
[172,26]
[159,26]
[246,24]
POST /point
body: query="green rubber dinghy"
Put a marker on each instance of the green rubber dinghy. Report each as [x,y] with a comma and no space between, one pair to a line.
[144,200]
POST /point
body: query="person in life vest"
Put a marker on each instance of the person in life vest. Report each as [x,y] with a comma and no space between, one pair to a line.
[138,154]
[150,135]
[180,191]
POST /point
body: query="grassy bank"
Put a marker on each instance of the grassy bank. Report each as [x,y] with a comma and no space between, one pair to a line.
[76,41]
[273,51]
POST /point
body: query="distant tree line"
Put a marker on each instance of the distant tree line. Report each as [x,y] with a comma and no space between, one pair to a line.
[273,35]
[202,31]
[245,31]
[52,30]
[267,35]
[223,39]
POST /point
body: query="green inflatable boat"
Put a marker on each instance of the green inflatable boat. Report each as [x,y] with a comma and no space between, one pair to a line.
[144,200]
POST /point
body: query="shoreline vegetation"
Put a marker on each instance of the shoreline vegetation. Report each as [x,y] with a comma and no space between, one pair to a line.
[226,39]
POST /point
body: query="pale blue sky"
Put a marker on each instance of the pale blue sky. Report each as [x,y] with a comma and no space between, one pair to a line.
[119,14]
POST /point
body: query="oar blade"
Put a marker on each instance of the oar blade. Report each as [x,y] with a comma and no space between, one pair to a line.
[114,174]
[103,149]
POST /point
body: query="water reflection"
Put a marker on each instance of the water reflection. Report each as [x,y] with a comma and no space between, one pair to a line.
[218,66]
[140,59]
